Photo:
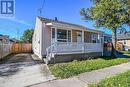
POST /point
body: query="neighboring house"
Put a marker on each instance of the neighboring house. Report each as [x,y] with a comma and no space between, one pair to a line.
[61,41]
[4,39]
[13,40]
[124,39]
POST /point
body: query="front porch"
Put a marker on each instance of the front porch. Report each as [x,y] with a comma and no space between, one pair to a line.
[74,48]
[73,41]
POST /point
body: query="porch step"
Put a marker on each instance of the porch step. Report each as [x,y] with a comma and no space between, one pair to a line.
[46,61]
[49,58]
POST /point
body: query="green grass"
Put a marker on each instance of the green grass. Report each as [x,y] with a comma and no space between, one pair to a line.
[65,70]
[120,80]
[126,52]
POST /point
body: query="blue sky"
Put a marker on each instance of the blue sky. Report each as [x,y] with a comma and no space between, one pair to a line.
[27,10]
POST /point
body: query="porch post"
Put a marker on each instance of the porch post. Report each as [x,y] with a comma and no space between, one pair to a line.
[102,42]
[55,34]
[67,36]
[83,36]
[83,41]
[55,46]
[71,35]
[99,38]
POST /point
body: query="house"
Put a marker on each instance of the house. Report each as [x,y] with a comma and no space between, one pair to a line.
[4,39]
[13,40]
[60,41]
[124,39]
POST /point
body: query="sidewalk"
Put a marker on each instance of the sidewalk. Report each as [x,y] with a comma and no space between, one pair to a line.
[87,78]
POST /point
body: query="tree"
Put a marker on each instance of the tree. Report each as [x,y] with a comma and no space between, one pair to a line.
[27,36]
[110,14]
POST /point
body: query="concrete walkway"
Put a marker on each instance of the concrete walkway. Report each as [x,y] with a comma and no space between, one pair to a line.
[84,79]
[21,70]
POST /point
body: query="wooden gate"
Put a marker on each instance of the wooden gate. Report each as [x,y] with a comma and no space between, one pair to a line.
[21,48]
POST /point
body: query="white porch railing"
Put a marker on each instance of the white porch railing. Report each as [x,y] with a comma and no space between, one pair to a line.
[73,47]
[93,47]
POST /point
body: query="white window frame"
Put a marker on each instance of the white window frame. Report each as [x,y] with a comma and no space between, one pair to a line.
[56,40]
[94,37]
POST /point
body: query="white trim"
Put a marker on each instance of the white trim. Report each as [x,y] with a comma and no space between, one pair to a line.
[71,36]
[51,33]
[48,23]
[83,36]
[102,44]
[67,35]
[55,34]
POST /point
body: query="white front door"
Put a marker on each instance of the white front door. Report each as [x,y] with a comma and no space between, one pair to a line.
[79,36]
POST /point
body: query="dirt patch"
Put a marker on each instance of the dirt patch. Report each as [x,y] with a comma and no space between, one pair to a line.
[5,59]
[23,57]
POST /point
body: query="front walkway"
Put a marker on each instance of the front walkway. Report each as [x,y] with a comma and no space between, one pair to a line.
[21,70]
[84,79]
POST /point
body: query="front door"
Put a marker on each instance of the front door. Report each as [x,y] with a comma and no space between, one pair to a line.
[79,36]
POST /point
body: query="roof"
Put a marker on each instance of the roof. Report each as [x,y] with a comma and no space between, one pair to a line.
[46,20]
[123,36]
[108,35]
[4,36]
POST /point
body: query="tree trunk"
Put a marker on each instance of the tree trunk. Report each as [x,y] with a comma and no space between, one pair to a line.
[114,43]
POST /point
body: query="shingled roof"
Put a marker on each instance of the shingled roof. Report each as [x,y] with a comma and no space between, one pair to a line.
[46,20]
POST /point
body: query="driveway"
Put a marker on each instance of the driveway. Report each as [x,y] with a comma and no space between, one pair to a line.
[21,70]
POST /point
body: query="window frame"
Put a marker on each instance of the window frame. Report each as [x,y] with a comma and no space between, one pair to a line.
[68,35]
[94,37]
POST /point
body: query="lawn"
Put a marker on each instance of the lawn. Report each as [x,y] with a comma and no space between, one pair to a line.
[120,80]
[127,53]
[66,70]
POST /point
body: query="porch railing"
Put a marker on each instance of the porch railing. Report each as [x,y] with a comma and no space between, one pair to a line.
[73,47]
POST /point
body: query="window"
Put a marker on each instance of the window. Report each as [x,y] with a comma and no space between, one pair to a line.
[63,35]
[124,41]
[94,38]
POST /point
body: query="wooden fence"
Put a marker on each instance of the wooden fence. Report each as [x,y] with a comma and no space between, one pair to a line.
[5,49]
[21,48]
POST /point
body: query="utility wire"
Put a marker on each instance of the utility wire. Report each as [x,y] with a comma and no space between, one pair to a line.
[41,9]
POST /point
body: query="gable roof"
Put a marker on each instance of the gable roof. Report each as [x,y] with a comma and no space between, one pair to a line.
[46,20]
